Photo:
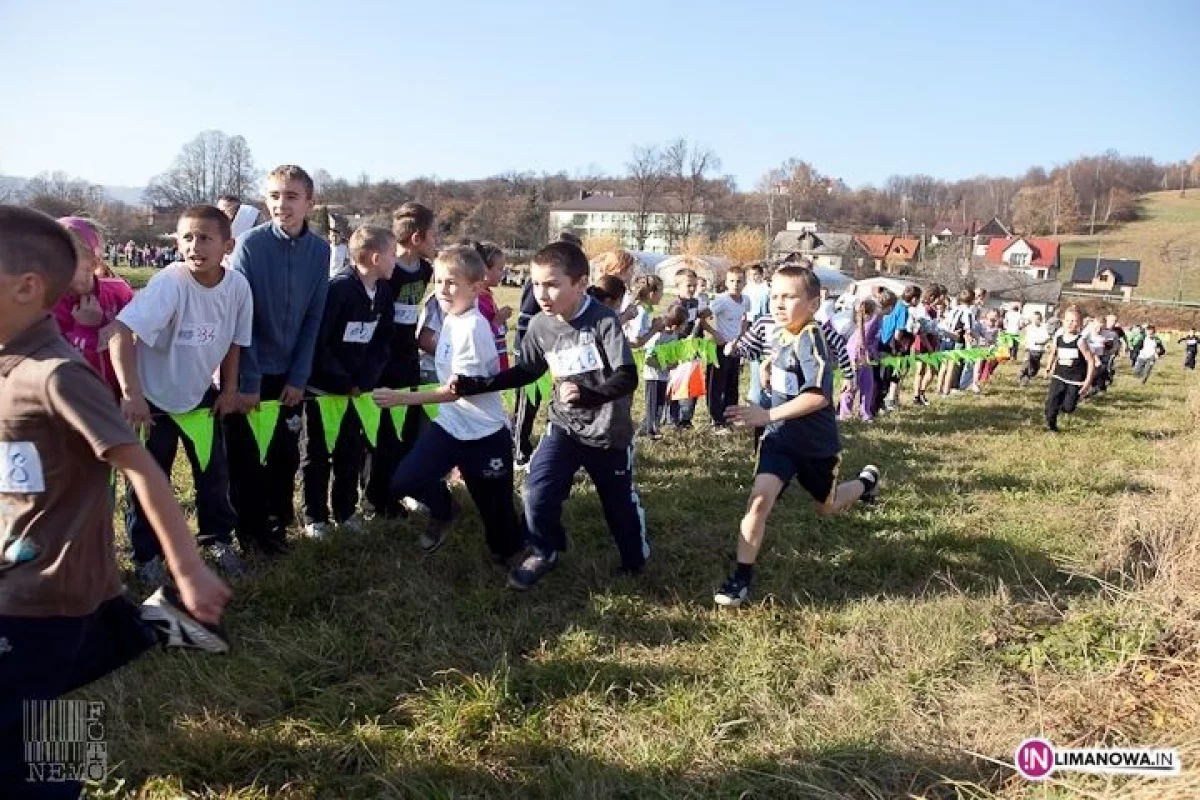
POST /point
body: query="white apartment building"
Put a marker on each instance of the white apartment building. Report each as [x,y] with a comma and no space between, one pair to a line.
[600,214]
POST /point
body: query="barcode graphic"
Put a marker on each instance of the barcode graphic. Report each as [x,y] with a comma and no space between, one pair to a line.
[62,731]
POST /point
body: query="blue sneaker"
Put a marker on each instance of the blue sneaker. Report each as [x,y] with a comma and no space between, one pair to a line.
[533,568]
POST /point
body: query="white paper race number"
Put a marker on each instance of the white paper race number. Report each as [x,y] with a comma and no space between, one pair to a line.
[21,468]
[574,360]
[201,334]
[784,382]
[407,314]
[359,332]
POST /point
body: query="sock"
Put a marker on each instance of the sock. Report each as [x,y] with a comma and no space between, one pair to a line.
[743,572]
[867,482]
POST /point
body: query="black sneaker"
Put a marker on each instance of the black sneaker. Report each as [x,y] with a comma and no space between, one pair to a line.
[870,474]
[533,568]
[437,530]
[733,593]
[177,628]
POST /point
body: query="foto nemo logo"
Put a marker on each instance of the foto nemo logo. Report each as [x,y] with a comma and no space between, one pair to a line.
[1035,759]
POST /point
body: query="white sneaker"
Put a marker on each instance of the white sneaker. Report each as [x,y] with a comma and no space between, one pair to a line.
[177,628]
[316,530]
[414,506]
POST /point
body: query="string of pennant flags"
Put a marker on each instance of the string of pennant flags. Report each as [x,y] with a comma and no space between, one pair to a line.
[199,426]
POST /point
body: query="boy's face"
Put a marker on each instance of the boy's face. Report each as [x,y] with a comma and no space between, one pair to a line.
[495,271]
[554,291]
[289,203]
[735,282]
[791,305]
[201,245]
[455,294]
[756,276]
[1071,323]
[687,287]
[1037,319]
[703,282]
[424,244]
[382,263]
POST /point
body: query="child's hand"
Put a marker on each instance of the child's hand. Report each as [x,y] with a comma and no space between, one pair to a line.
[88,312]
[568,393]
[227,403]
[750,416]
[136,411]
[503,314]
[387,398]
[203,593]
[729,348]
[291,396]
[705,314]
[249,402]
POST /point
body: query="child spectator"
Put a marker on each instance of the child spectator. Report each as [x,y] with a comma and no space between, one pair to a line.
[801,440]
[863,348]
[759,293]
[609,291]
[351,354]
[1036,339]
[1072,368]
[497,318]
[655,376]
[1190,343]
[958,326]
[647,294]
[86,311]
[193,318]
[580,342]
[621,264]
[702,297]
[64,619]
[989,334]
[470,433]
[730,312]
[1152,347]
[287,266]
[680,412]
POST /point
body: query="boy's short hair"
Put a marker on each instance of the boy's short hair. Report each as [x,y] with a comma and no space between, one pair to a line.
[735,270]
[230,198]
[755,268]
[411,218]
[290,172]
[910,294]
[31,241]
[807,278]
[966,297]
[887,299]
[371,239]
[676,315]
[685,274]
[206,213]
[570,238]
[566,257]
[463,261]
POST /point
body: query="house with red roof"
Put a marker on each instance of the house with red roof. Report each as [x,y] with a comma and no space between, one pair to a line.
[1038,258]
[888,253]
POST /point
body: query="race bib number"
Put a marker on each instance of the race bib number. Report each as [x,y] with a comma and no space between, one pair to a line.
[785,382]
[21,468]
[1067,355]
[692,313]
[407,314]
[198,335]
[574,360]
[359,332]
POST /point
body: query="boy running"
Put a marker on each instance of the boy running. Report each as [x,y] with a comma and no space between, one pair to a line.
[1072,369]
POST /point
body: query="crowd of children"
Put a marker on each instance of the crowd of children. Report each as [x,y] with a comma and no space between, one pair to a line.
[254,332]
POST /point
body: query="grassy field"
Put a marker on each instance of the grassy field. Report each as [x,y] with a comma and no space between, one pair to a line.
[1161,240]
[898,651]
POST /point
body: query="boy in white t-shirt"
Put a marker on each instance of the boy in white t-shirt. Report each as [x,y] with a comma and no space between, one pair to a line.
[191,319]
[470,433]
[730,311]
[1151,349]
[1036,339]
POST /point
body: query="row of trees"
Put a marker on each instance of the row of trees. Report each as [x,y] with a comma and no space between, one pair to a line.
[680,178]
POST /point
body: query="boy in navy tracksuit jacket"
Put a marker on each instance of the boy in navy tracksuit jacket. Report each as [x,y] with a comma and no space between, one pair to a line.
[287,266]
[352,351]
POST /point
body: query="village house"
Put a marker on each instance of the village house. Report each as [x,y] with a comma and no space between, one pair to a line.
[1105,277]
[985,233]
[1038,258]
[885,252]
[604,214]
[802,240]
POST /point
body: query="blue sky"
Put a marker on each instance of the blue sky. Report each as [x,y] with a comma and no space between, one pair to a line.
[110,91]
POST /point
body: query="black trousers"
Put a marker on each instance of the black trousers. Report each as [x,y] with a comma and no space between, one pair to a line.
[264,494]
[317,464]
[1033,364]
[723,386]
[214,510]
[487,468]
[526,415]
[391,448]
[1062,397]
[1189,358]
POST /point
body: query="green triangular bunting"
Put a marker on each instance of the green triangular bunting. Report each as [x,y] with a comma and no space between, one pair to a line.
[197,426]
[262,424]
[369,414]
[432,409]
[398,415]
[333,410]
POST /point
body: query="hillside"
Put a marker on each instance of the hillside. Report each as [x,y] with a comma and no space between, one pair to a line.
[1169,226]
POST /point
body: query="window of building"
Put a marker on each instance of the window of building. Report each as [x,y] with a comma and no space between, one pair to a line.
[579,219]
[1018,259]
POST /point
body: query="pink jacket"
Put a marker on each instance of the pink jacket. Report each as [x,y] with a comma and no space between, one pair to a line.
[81,326]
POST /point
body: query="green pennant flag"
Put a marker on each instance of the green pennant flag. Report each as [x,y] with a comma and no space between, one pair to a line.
[198,427]
[262,424]
[431,409]
[398,415]
[333,409]
[541,390]
[369,415]
[509,398]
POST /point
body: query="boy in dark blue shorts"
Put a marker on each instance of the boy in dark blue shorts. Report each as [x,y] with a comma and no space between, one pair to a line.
[801,439]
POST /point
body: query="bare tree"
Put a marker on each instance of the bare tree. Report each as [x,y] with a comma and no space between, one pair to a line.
[210,165]
[687,181]
[59,194]
[647,176]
